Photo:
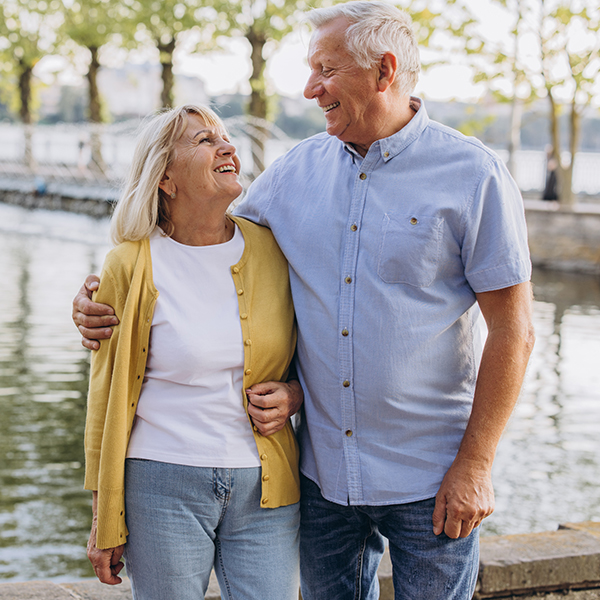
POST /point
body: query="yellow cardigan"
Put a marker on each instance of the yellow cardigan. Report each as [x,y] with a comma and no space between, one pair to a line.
[117,370]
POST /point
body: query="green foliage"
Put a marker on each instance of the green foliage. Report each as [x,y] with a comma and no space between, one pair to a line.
[29,29]
[264,24]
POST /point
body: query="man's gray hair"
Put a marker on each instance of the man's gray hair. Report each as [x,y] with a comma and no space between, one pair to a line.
[376,28]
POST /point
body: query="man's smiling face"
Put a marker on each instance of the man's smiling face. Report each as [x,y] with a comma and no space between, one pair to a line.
[347,94]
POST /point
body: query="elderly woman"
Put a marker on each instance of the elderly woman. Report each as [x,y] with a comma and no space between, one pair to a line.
[182,480]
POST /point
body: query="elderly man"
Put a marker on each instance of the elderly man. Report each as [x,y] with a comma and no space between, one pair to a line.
[399,233]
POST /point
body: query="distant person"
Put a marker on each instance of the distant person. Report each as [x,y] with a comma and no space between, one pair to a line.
[399,232]
[182,480]
[550,189]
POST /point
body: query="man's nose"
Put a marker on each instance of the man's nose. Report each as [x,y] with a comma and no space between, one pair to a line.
[312,88]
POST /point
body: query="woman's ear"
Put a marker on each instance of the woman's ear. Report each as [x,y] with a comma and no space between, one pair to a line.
[167,185]
[387,71]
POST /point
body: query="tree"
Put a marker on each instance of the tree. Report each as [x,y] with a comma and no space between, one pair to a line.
[502,68]
[264,24]
[163,22]
[570,65]
[28,31]
[560,60]
[93,24]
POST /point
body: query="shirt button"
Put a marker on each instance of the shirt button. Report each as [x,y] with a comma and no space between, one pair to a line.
[244,316]
[248,342]
[348,280]
[349,433]
[248,372]
[363,176]
[265,478]
[353,227]
[414,221]
[240,292]
[386,154]
[344,332]
[346,383]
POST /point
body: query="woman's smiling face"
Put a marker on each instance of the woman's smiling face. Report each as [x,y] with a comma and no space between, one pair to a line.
[205,166]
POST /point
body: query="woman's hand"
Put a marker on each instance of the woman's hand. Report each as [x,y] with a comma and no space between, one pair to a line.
[107,563]
[272,403]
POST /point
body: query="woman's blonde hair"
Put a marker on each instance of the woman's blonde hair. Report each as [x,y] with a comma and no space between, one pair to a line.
[143,205]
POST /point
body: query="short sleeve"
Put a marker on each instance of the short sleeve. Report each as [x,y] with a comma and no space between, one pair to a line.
[495,252]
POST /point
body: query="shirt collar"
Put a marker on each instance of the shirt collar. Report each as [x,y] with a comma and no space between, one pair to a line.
[394,144]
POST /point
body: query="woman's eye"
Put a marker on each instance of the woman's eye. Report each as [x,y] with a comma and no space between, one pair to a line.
[204,140]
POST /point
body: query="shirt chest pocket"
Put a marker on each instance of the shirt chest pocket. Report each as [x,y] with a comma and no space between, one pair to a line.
[410,249]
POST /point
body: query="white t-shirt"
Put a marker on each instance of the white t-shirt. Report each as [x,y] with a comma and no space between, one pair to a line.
[190,408]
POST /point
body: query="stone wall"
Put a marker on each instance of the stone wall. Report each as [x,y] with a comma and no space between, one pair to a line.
[567,240]
[555,565]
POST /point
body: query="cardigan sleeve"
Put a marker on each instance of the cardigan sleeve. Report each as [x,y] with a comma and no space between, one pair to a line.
[102,365]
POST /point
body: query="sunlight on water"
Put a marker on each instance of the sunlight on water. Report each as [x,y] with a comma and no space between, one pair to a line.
[548,464]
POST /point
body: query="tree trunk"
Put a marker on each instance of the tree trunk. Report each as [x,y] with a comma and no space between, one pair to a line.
[567,198]
[257,106]
[95,116]
[514,142]
[166,63]
[25,75]
[555,137]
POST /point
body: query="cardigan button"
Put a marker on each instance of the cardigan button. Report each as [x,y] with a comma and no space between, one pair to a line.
[244,316]
[264,500]
[265,478]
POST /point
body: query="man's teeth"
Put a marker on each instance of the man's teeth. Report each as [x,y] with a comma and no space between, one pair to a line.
[330,106]
[225,169]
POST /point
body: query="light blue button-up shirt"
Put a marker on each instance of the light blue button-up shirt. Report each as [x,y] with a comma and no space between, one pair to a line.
[386,254]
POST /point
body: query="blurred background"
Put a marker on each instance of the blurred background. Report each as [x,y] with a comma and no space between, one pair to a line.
[76,78]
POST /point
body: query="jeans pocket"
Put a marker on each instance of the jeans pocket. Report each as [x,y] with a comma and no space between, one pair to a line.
[410,249]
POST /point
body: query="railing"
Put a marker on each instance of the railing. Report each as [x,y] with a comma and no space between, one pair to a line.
[100,154]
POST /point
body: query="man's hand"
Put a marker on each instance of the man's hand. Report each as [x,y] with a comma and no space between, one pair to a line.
[93,320]
[464,499]
[272,403]
[107,563]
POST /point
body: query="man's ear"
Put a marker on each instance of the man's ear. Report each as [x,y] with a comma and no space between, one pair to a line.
[387,71]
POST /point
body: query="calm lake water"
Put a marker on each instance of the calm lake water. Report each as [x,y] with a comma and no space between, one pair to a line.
[546,472]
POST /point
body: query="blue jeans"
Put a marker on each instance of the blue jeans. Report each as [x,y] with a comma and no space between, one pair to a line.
[184,520]
[341,547]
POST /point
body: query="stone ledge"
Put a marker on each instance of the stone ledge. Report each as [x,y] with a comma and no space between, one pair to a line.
[556,565]
[565,561]
[89,589]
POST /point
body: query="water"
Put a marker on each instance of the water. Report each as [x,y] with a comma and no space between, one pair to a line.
[546,472]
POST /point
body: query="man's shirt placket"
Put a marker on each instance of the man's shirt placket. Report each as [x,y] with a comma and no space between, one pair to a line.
[349,430]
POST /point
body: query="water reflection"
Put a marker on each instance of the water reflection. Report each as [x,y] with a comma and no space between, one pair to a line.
[43,370]
[546,471]
[548,463]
